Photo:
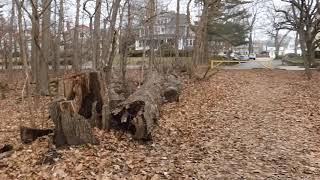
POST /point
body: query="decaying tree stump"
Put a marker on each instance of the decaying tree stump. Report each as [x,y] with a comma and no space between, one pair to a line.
[141,110]
[71,128]
[78,109]
[29,135]
[86,93]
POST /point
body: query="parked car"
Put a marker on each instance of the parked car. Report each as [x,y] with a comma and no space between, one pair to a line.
[244,57]
[252,56]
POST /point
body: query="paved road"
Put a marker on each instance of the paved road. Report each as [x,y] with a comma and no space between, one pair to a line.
[257,64]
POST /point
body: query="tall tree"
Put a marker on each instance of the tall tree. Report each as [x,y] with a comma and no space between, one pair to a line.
[110,41]
[177,37]
[22,44]
[59,33]
[151,12]
[303,17]
[97,35]
[11,33]
[76,51]
[45,47]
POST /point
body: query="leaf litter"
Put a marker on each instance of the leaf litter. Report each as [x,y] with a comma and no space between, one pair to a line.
[252,124]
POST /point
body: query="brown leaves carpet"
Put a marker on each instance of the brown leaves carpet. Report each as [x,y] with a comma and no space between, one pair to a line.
[256,124]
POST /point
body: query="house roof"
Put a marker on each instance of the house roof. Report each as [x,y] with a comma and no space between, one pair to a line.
[171,16]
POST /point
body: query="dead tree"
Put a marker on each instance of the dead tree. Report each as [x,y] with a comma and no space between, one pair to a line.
[79,110]
[29,135]
[70,127]
[140,111]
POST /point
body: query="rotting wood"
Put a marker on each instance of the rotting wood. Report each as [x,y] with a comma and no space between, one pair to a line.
[6,151]
[140,111]
[29,135]
[70,127]
[86,92]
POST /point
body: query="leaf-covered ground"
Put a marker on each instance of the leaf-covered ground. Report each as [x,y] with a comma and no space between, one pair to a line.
[253,124]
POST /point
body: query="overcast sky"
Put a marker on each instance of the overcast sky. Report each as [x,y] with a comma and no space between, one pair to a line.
[171,5]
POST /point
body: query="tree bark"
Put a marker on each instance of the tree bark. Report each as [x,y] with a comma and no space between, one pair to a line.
[58,36]
[151,16]
[177,37]
[45,48]
[70,127]
[296,43]
[11,32]
[35,47]
[76,52]
[28,135]
[97,35]
[140,111]
[86,92]
[106,54]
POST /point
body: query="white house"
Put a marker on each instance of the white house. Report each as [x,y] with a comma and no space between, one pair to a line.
[164,32]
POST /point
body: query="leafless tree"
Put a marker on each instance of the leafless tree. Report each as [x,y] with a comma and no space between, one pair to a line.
[76,51]
[177,30]
[303,16]
[97,35]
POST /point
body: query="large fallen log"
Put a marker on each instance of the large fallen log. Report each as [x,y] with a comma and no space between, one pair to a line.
[140,111]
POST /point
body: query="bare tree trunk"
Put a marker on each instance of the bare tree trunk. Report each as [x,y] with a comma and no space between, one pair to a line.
[23,55]
[124,56]
[200,41]
[56,42]
[11,32]
[35,46]
[276,44]
[177,37]
[305,54]
[43,62]
[60,31]
[110,39]
[151,17]
[75,63]
[296,43]
[97,35]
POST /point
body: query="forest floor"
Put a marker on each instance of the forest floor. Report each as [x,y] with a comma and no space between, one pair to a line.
[252,124]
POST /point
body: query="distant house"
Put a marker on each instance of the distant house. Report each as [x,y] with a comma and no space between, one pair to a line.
[164,32]
[84,31]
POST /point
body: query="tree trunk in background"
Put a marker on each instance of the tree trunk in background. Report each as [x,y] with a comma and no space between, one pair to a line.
[151,17]
[305,54]
[124,55]
[22,42]
[35,47]
[55,61]
[177,37]
[45,48]
[11,32]
[250,49]
[296,43]
[110,41]
[204,50]
[97,35]
[76,52]
[199,50]
[60,31]
[276,44]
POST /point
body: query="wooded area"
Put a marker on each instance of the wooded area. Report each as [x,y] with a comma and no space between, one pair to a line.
[102,75]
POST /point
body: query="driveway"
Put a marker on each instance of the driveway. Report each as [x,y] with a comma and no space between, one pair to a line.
[257,64]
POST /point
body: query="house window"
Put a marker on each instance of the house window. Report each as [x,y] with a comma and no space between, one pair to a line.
[163,30]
